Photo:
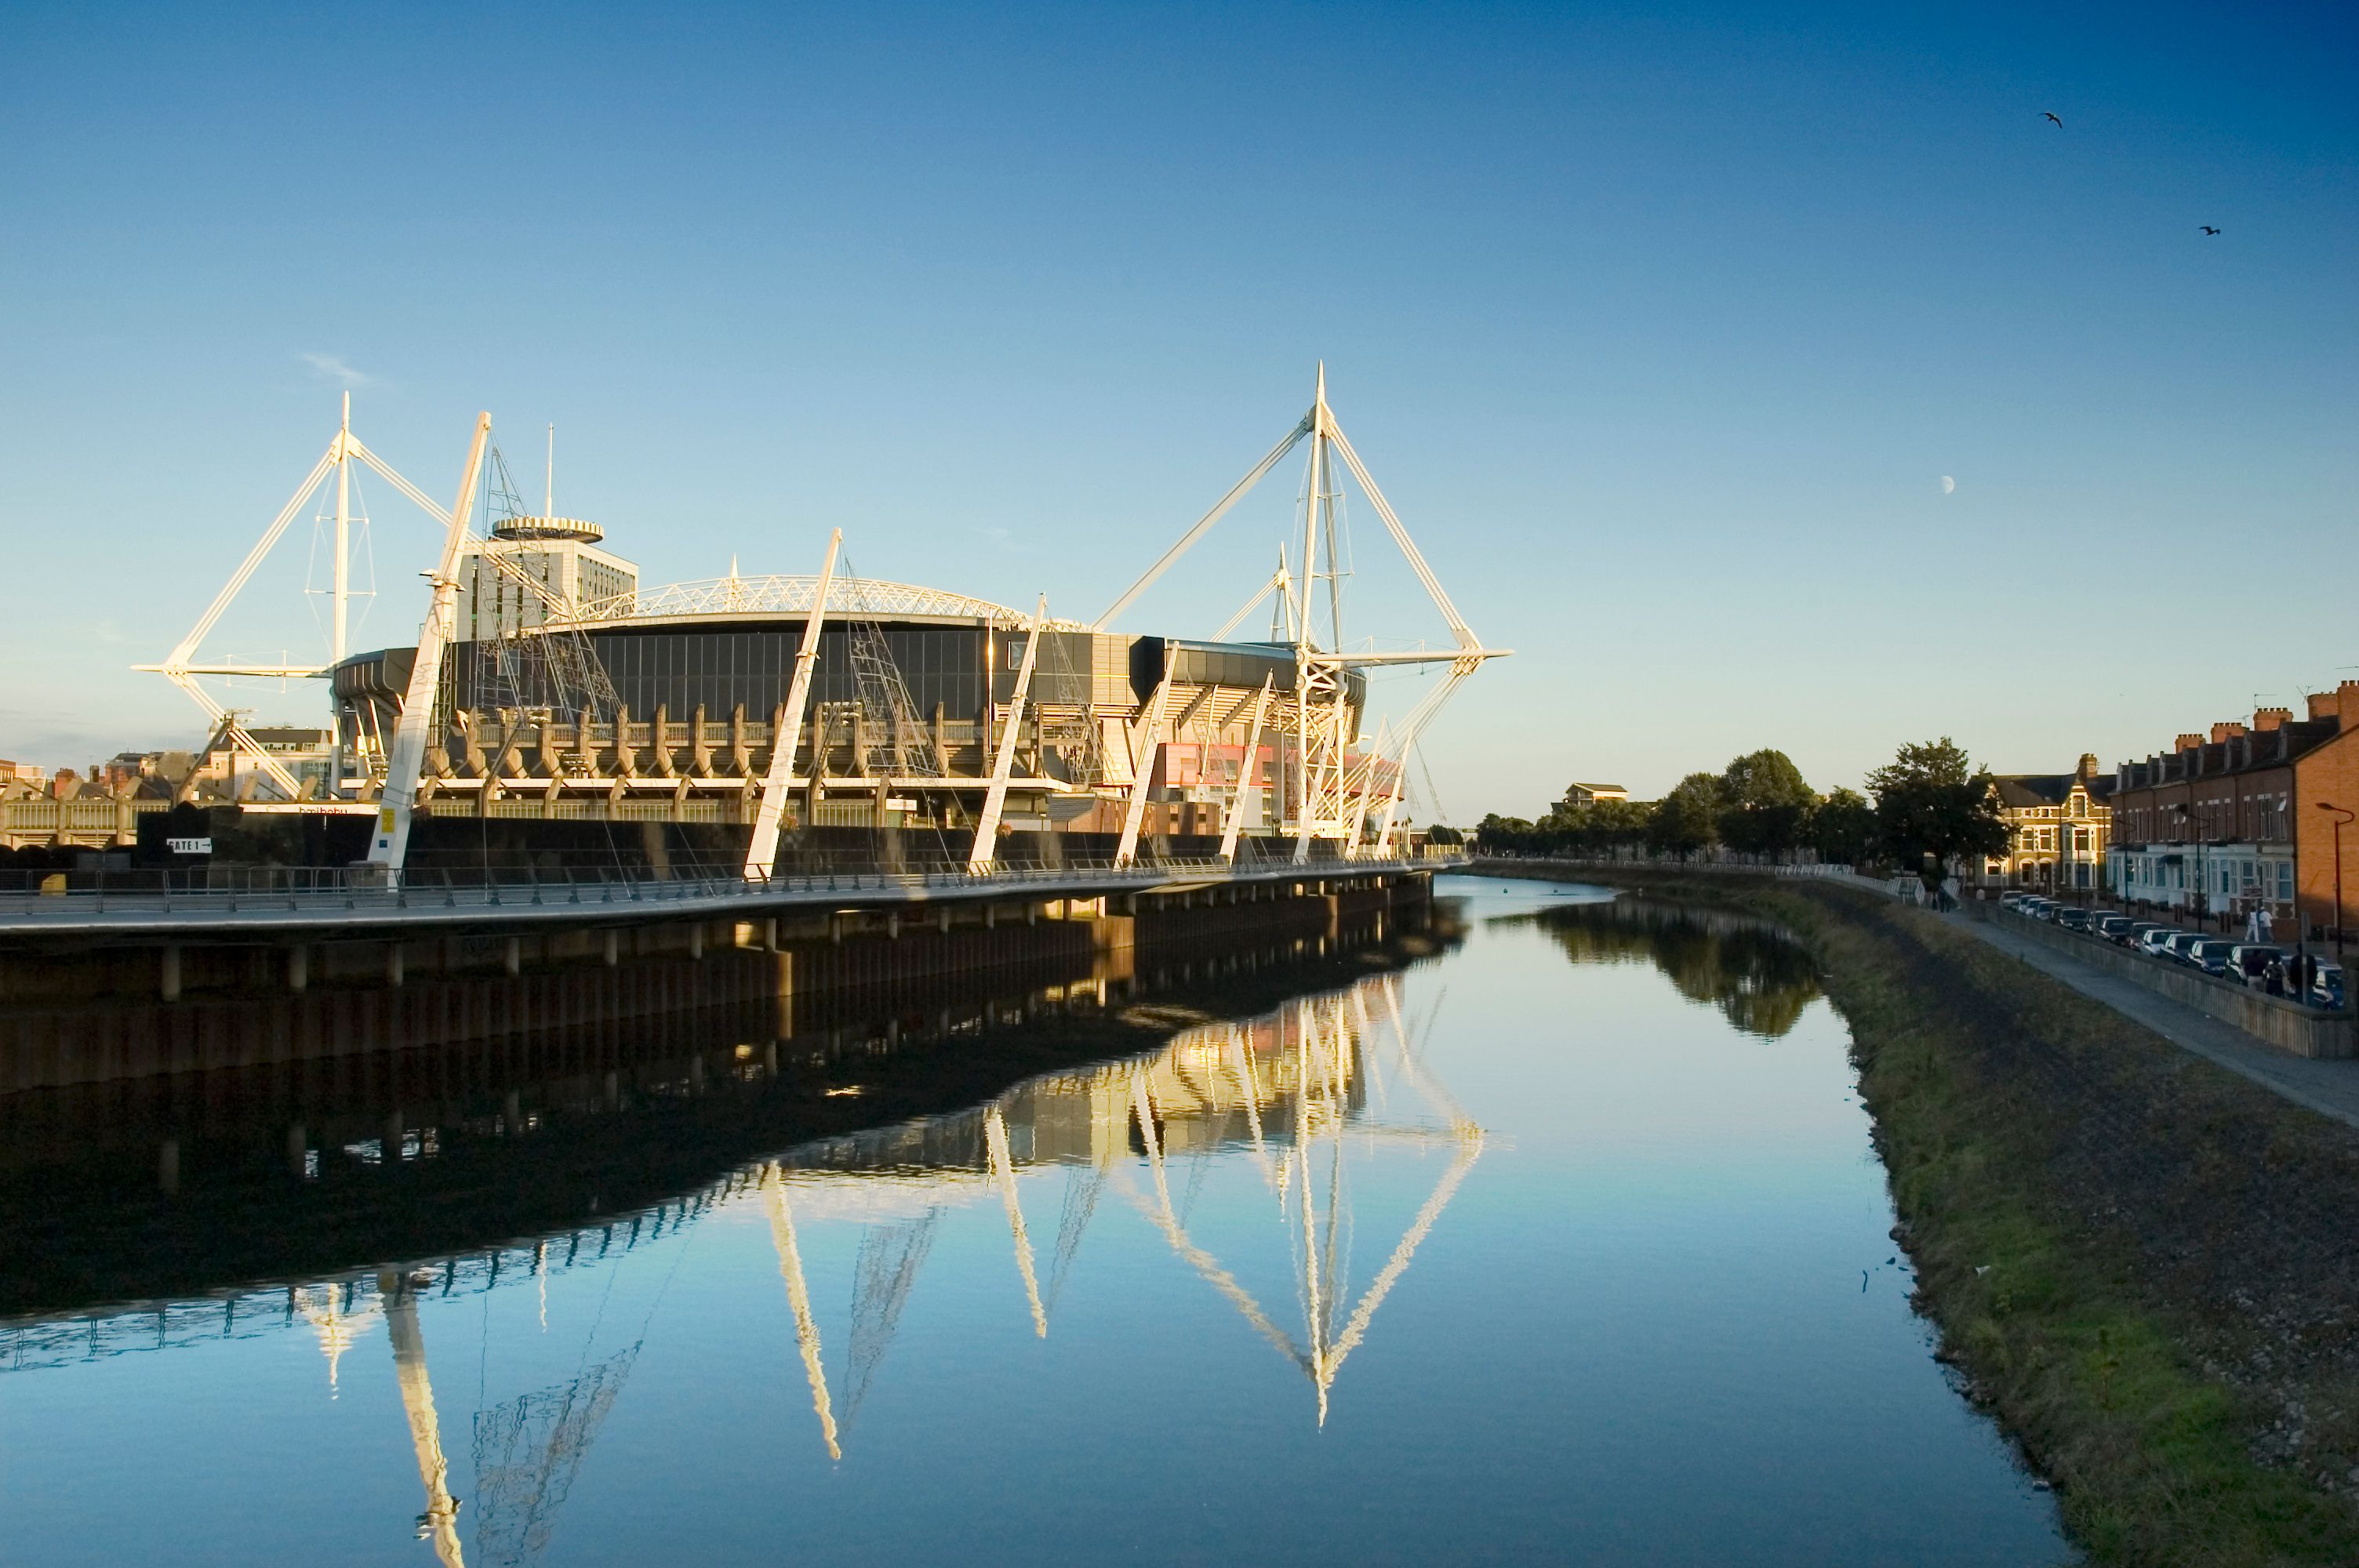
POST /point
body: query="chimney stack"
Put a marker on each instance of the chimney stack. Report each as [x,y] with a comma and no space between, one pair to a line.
[2265,720]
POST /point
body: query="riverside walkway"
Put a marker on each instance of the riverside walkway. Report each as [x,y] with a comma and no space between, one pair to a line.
[284,903]
[2328,1087]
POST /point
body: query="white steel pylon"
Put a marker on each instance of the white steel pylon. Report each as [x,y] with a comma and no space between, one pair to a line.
[1312,723]
[181,665]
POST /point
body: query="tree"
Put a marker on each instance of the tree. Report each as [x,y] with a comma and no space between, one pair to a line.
[1843,828]
[1610,825]
[1687,818]
[1933,806]
[1440,834]
[1764,804]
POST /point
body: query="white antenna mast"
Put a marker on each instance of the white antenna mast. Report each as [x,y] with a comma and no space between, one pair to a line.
[549,495]
[342,578]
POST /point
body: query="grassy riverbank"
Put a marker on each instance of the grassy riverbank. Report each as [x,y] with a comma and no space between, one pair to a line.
[2141,1262]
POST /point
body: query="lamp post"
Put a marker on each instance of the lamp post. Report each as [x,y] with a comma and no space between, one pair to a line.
[2341,816]
[2198,891]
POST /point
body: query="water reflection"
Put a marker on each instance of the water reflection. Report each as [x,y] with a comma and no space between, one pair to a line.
[1305,1092]
[1457,1252]
[1757,975]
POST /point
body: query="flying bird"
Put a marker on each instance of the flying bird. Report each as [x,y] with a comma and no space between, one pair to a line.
[2047,116]
[2209,230]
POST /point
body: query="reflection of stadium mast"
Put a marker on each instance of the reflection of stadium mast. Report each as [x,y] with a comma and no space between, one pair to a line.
[441,1520]
[528,1452]
[327,1308]
[1326,1053]
[1294,1080]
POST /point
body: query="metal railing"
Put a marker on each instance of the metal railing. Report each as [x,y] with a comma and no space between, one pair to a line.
[259,889]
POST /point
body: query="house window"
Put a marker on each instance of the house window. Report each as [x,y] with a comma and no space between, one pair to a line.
[2048,838]
[2080,840]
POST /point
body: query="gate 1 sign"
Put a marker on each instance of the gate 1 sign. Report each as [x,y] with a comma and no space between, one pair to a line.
[190,845]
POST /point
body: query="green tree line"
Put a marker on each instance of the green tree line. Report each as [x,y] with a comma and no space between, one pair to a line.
[1931,805]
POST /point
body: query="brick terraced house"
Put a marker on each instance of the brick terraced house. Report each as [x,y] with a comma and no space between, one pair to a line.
[2231,821]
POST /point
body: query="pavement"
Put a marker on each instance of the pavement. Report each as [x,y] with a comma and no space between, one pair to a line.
[2330,1089]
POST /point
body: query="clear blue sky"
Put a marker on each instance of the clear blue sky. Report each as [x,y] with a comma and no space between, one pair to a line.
[1659,326]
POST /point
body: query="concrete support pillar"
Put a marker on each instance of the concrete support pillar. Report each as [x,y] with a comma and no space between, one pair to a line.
[298,1149]
[392,964]
[696,1073]
[770,934]
[835,929]
[299,967]
[396,1127]
[893,926]
[1031,914]
[511,955]
[614,949]
[167,1167]
[168,972]
[942,917]
[512,1112]
[696,940]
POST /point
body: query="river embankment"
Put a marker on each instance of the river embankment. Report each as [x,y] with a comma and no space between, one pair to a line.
[2143,1264]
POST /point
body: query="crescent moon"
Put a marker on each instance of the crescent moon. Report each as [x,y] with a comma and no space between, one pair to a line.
[1948,484]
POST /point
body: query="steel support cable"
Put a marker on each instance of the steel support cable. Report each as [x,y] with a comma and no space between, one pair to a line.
[1458,627]
[213,612]
[1187,541]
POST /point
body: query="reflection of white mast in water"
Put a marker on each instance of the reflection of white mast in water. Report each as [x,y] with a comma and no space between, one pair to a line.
[441,1520]
[790,1267]
[1326,1050]
[329,1310]
[995,1128]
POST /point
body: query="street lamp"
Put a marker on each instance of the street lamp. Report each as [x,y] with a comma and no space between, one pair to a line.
[2198,896]
[2341,816]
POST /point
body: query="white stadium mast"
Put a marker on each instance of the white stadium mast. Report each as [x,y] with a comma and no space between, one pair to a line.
[1323,794]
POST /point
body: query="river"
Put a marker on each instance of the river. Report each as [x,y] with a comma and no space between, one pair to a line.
[1561,1240]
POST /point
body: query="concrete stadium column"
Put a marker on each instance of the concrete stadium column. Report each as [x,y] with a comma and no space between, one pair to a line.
[990,917]
[893,927]
[168,976]
[696,939]
[614,949]
[942,918]
[511,955]
[393,972]
[299,967]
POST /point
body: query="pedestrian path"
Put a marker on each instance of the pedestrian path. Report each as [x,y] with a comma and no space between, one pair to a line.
[2328,1087]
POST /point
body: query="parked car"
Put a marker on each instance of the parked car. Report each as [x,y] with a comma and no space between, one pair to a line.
[2073,919]
[2156,941]
[2131,932]
[2103,921]
[2248,963]
[2210,954]
[2181,946]
[2039,908]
